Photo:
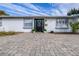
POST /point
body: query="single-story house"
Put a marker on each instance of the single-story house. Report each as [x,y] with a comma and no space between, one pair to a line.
[28,23]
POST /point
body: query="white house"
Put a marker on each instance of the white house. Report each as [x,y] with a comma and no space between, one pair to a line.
[27,23]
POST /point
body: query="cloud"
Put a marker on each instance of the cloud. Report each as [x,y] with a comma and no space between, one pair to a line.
[65,7]
[37,9]
[31,6]
[32,11]
[11,8]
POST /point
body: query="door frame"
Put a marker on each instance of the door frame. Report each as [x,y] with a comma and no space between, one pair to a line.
[42,19]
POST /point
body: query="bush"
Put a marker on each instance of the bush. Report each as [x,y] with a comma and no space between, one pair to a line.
[33,30]
[74,26]
[45,30]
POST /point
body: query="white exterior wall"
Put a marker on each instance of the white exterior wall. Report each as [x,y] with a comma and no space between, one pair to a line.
[51,26]
[14,25]
[65,30]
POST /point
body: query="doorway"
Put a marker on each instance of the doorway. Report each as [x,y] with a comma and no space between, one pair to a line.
[39,25]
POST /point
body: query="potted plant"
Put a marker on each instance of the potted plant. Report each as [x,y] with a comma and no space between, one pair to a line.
[45,30]
[33,30]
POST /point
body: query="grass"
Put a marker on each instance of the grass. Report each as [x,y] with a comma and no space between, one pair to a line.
[7,33]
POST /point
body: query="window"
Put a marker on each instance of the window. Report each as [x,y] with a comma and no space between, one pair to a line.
[27,24]
[0,22]
[61,23]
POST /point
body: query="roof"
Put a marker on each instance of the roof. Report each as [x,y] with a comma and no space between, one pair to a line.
[38,16]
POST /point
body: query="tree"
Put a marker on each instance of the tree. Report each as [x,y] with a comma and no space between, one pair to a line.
[73,11]
[2,13]
[74,25]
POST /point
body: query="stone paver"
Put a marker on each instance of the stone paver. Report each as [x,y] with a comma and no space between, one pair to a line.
[40,44]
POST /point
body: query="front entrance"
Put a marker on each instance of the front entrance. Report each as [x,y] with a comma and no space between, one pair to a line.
[39,25]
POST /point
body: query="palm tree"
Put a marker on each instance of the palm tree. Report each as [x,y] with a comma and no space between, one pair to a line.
[2,13]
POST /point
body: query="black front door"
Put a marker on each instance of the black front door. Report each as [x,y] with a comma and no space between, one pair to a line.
[39,25]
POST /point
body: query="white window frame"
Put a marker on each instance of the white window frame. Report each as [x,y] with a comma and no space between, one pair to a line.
[61,23]
[28,24]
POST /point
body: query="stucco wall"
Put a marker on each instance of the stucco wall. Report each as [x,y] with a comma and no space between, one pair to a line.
[16,24]
[51,26]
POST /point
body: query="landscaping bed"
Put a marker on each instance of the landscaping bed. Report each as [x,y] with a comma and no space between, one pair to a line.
[7,33]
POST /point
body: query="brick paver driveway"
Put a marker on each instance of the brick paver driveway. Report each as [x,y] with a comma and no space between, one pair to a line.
[40,44]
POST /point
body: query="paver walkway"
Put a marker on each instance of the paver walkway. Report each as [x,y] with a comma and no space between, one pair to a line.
[40,44]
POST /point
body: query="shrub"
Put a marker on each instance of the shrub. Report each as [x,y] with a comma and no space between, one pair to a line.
[74,26]
[33,30]
[45,30]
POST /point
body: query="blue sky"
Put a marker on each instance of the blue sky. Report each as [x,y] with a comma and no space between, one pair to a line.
[37,9]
